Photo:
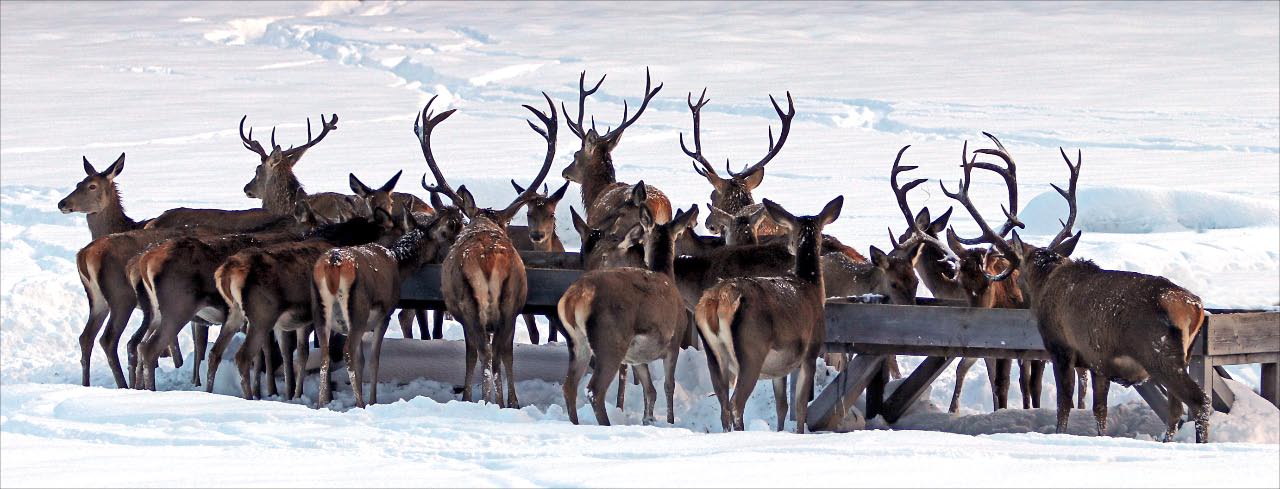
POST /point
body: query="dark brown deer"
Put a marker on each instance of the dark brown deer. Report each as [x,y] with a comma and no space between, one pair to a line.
[628,316]
[769,326]
[357,287]
[541,233]
[738,228]
[1125,327]
[592,166]
[483,277]
[268,291]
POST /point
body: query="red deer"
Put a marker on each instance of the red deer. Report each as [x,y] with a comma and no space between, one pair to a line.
[628,316]
[737,228]
[769,326]
[1124,327]
[355,289]
[483,277]
[592,167]
[541,235]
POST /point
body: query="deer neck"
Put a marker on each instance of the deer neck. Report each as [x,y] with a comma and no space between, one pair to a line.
[661,258]
[409,251]
[282,193]
[111,219]
[932,275]
[599,177]
[809,261]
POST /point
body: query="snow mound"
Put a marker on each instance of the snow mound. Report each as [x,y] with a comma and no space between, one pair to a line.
[1145,209]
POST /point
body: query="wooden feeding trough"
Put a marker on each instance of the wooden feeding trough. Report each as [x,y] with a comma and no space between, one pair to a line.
[937,330]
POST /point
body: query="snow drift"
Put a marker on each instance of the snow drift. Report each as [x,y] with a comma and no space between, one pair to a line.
[1146,209]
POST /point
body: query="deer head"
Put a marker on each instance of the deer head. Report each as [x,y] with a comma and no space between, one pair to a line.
[602,249]
[96,192]
[378,201]
[660,239]
[276,166]
[593,161]
[734,192]
[738,228]
[804,235]
[1042,261]
[541,214]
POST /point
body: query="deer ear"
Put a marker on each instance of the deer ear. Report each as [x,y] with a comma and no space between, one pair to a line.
[583,229]
[555,197]
[88,167]
[1068,246]
[779,214]
[646,217]
[1016,243]
[391,184]
[941,222]
[757,215]
[639,194]
[357,186]
[953,242]
[634,237]
[612,141]
[302,212]
[753,180]
[686,219]
[115,168]
[831,211]
[468,203]
[519,189]
[879,258]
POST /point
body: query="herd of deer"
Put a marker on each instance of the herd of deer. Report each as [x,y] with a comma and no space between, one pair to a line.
[333,264]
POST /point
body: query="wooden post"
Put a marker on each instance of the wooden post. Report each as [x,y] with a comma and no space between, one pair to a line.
[1156,399]
[837,399]
[1202,370]
[1271,383]
[913,387]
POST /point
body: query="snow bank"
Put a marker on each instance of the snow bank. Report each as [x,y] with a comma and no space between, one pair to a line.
[1146,209]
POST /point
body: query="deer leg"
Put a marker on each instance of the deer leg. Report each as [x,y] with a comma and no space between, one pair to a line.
[473,352]
[200,337]
[487,360]
[532,326]
[1037,382]
[891,363]
[650,393]
[669,381]
[269,375]
[110,340]
[406,323]
[1063,365]
[378,333]
[720,387]
[424,327]
[1100,386]
[131,347]
[228,331]
[175,351]
[962,370]
[780,400]
[98,310]
[287,346]
[161,334]
[1004,369]
[1081,374]
[606,367]
[248,358]
[579,358]
[804,391]
[437,329]
[749,365]
[622,386]
[1182,389]
[554,326]
[325,387]
[300,367]
[1024,382]
[354,355]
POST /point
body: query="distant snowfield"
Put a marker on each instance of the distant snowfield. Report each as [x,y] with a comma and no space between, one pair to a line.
[1176,117]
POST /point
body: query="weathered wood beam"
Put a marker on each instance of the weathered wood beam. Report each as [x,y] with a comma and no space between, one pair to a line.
[938,326]
[913,387]
[1270,388]
[1207,377]
[1151,393]
[1242,333]
[826,411]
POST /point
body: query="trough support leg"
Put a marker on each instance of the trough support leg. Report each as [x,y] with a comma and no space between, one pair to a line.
[1156,399]
[1271,383]
[913,387]
[838,398]
[1204,373]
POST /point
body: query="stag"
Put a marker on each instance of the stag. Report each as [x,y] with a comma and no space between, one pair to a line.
[355,289]
[483,277]
[539,235]
[769,326]
[592,166]
[628,316]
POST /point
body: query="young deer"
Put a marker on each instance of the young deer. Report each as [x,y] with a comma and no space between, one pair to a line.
[541,234]
[738,228]
[355,289]
[483,277]
[592,166]
[1125,327]
[769,326]
[628,316]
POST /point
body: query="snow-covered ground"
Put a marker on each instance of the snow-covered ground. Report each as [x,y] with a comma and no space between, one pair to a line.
[1175,107]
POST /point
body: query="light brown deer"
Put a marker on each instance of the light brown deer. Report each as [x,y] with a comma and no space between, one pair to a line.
[769,326]
[628,316]
[1125,327]
[357,287]
[483,277]
[541,235]
[592,167]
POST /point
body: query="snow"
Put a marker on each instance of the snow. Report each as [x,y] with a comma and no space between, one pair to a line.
[1176,118]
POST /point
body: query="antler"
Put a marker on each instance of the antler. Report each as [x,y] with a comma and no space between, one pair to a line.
[248,141]
[648,95]
[422,128]
[917,234]
[1070,195]
[1010,175]
[325,127]
[988,236]
[696,154]
[782,137]
[583,93]
[549,134]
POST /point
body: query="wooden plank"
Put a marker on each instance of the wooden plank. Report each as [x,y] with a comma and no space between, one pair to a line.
[551,259]
[1156,399]
[1202,371]
[913,387]
[1239,333]
[937,351]
[545,287]
[938,326]
[1246,358]
[1270,388]
[405,360]
[826,411]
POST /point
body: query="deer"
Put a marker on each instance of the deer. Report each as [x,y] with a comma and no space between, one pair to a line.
[482,275]
[1125,327]
[268,291]
[628,316]
[592,166]
[541,235]
[355,288]
[733,195]
[769,326]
